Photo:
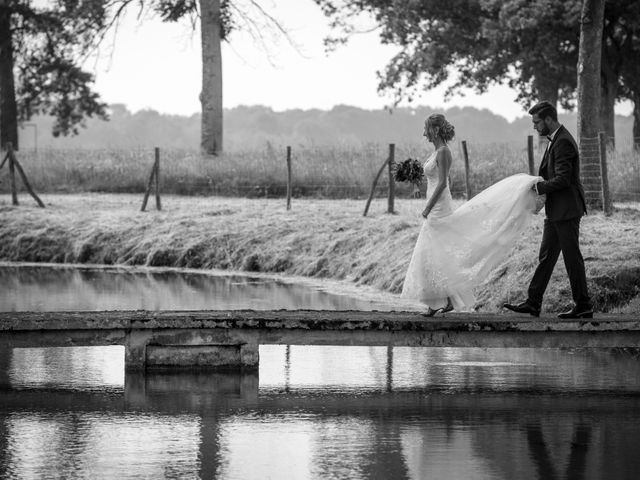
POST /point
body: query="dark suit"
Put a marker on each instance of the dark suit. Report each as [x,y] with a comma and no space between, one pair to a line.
[564,206]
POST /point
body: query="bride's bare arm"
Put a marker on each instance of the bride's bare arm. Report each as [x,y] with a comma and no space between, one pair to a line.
[443,160]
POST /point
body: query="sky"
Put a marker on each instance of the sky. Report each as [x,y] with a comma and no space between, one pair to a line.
[154,65]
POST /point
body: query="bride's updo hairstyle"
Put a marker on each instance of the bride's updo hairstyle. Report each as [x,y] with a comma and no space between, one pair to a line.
[445,130]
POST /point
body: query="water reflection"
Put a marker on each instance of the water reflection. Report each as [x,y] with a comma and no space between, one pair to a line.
[324,412]
[38,288]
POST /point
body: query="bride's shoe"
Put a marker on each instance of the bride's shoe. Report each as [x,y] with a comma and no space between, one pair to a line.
[448,307]
[431,312]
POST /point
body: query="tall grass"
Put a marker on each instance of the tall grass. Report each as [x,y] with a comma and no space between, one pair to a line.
[342,171]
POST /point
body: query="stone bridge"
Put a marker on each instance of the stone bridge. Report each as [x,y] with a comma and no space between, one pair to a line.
[230,338]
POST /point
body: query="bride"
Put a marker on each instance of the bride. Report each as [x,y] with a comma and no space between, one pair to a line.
[457,248]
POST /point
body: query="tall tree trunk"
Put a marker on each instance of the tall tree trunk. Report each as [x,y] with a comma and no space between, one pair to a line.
[211,95]
[8,109]
[546,90]
[636,121]
[608,94]
[589,62]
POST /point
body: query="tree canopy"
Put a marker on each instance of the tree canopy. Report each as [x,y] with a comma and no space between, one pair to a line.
[41,49]
[530,44]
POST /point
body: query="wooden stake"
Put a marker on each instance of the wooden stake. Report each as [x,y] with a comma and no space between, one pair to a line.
[392,182]
[288,178]
[466,169]
[6,157]
[606,194]
[14,161]
[373,187]
[157,168]
[12,175]
[532,170]
[149,183]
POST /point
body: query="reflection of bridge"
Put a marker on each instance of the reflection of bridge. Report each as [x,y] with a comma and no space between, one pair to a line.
[231,338]
[210,392]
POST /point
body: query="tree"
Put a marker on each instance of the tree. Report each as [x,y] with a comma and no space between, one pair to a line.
[589,90]
[531,44]
[589,68]
[631,87]
[215,26]
[211,96]
[217,19]
[45,45]
[620,60]
[483,41]
[630,75]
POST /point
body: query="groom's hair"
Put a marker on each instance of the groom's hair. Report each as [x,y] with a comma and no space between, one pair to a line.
[544,109]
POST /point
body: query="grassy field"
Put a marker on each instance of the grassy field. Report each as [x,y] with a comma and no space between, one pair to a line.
[318,238]
[318,171]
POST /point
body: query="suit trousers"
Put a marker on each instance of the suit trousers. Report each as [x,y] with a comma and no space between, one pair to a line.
[560,236]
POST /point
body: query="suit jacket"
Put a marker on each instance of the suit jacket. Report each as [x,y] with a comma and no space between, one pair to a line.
[560,169]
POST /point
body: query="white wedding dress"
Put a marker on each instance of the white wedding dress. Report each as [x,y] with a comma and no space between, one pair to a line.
[457,248]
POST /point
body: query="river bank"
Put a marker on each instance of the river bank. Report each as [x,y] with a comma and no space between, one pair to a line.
[318,238]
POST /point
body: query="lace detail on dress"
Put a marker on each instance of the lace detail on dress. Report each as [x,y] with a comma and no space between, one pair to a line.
[456,250]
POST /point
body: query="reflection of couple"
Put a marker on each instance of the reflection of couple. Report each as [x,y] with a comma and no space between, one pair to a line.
[456,249]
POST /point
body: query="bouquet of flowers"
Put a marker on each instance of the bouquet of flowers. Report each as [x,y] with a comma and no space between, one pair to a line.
[410,171]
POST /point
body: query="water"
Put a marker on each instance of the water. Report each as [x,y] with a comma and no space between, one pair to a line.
[49,288]
[321,413]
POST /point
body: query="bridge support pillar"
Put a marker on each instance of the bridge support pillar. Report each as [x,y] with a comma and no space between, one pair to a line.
[227,357]
[146,350]
[135,350]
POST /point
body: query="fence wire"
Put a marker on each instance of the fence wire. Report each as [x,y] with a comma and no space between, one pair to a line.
[317,172]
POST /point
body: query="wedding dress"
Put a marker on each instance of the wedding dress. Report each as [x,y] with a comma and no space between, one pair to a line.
[457,248]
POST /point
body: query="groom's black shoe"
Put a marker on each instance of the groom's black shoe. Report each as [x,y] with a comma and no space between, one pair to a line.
[577,312]
[524,307]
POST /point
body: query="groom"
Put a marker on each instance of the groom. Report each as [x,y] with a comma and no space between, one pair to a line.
[564,206]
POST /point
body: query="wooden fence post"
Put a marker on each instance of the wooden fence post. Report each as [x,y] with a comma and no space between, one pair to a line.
[288,177]
[466,169]
[157,167]
[12,175]
[373,187]
[5,160]
[14,165]
[25,181]
[152,176]
[532,170]
[392,182]
[606,194]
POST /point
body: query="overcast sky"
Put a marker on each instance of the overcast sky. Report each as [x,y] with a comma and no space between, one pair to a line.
[157,65]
